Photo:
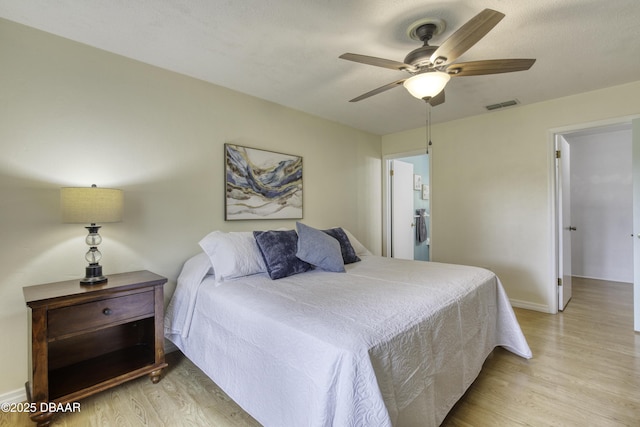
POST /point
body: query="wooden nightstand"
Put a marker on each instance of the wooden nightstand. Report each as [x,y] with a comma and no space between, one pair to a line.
[86,339]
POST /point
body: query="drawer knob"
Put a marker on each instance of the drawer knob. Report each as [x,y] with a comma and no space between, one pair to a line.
[107,311]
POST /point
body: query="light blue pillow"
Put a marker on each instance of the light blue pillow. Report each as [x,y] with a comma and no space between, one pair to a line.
[319,249]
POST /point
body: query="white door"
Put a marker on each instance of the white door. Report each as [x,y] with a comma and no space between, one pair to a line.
[564,220]
[402,221]
[635,156]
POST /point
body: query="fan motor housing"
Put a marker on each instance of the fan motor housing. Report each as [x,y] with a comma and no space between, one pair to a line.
[420,57]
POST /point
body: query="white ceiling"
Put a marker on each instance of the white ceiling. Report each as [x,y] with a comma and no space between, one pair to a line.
[286,51]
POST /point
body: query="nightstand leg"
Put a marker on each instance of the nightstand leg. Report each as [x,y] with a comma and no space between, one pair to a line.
[155,376]
[42,419]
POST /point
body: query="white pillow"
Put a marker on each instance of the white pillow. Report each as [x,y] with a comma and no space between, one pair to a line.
[233,254]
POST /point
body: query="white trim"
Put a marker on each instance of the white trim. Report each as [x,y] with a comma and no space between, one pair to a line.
[551,139]
[602,279]
[635,140]
[15,396]
[386,183]
[552,295]
[594,125]
[531,306]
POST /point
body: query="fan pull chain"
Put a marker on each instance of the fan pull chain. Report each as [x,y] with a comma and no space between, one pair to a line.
[428,126]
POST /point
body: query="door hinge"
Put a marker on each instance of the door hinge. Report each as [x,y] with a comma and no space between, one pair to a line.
[558,154]
[559,281]
[391,172]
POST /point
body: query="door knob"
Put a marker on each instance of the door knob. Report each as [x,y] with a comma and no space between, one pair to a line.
[572,228]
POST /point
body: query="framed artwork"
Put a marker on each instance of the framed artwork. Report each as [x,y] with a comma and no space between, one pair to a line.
[425,192]
[417,182]
[261,184]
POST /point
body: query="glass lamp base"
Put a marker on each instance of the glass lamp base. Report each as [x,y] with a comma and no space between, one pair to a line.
[93,275]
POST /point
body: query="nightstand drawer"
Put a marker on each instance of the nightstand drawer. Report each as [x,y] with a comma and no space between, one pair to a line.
[67,320]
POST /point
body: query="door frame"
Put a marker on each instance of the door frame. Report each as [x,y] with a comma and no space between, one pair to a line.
[386,194]
[635,158]
[552,290]
[563,218]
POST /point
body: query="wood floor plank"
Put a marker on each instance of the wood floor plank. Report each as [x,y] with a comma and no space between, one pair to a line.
[585,371]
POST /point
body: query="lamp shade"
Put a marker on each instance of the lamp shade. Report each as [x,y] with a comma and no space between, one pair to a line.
[91,205]
[427,85]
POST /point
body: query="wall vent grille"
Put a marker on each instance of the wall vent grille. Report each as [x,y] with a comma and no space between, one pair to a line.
[504,104]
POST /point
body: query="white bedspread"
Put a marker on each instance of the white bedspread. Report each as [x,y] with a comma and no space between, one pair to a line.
[391,342]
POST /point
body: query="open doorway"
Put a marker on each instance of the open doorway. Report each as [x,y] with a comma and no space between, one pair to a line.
[602,204]
[418,220]
[594,201]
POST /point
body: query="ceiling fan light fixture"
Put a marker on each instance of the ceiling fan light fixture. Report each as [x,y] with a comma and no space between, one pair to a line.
[427,85]
[425,64]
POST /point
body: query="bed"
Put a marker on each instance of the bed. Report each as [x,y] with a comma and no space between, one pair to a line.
[385,342]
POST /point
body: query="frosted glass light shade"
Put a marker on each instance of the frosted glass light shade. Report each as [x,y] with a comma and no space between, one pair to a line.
[427,85]
[91,205]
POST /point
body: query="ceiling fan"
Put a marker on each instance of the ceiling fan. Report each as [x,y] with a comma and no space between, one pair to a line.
[431,67]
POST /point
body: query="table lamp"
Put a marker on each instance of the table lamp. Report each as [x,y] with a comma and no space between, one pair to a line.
[91,205]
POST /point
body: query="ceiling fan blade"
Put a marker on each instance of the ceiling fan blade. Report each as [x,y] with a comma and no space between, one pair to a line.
[491,66]
[466,36]
[378,62]
[378,90]
[438,99]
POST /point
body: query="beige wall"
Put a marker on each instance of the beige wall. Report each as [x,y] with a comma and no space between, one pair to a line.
[72,115]
[491,188]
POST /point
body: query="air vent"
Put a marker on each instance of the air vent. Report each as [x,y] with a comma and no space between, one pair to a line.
[502,105]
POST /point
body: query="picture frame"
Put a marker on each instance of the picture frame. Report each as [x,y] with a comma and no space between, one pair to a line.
[425,192]
[417,182]
[261,184]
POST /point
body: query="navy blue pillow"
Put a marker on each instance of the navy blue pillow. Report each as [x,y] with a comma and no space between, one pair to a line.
[278,250]
[348,253]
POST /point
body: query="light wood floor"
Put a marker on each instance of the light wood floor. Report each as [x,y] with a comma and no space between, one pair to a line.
[585,371]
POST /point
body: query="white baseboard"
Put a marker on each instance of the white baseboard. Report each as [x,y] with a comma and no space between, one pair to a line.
[15,396]
[600,278]
[530,306]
